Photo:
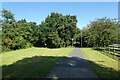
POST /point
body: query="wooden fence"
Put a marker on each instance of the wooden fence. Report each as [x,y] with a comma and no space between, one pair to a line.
[112,51]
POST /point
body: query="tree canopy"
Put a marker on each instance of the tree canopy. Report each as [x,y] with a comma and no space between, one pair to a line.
[101,32]
[56,31]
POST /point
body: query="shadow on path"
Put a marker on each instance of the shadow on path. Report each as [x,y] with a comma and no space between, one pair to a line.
[78,67]
[74,67]
[52,67]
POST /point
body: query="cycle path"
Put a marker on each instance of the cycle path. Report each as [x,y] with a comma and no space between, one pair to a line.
[73,67]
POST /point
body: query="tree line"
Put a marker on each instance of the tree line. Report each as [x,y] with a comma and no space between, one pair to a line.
[56,31]
[101,32]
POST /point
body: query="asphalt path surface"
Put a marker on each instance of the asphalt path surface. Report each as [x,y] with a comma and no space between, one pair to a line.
[73,67]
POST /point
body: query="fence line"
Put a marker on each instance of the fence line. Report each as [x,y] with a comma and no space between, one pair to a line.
[112,51]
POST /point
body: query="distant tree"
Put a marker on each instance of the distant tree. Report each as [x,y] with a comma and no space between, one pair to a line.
[7,15]
[101,32]
[13,32]
[55,31]
[58,30]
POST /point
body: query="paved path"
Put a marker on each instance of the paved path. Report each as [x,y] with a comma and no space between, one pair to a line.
[74,67]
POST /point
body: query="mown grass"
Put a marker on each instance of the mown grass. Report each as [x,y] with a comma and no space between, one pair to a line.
[32,62]
[13,56]
[104,66]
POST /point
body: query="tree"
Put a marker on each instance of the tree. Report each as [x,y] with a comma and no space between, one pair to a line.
[60,27]
[7,15]
[14,32]
[101,32]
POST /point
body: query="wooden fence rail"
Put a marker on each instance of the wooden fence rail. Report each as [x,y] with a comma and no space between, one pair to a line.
[112,51]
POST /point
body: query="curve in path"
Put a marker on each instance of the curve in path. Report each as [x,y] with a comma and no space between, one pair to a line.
[74,67]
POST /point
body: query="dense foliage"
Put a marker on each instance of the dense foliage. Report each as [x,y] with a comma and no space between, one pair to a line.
[55,31]
[101,32]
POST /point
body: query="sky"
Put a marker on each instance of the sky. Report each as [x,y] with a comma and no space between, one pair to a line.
[60,0]
[85,11]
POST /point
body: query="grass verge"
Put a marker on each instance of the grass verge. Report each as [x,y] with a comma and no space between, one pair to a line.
[103,66]
[31,62]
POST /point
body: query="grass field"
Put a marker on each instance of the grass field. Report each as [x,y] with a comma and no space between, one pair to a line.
[32,62]
[104,66]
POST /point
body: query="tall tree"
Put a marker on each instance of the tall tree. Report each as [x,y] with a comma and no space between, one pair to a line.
[101,32]
[62,27]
